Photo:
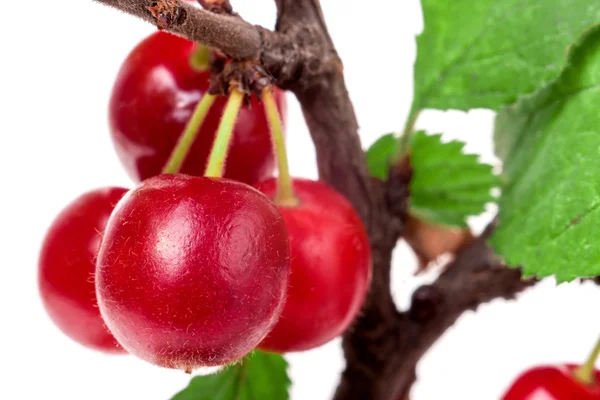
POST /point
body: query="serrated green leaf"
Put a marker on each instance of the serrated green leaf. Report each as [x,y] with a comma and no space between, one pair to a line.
[487,53]
[474,194]
[456,176]
[258,376]
[550,143]
[379,154]
[447,185]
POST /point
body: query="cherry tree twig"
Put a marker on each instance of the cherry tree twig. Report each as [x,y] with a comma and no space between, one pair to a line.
[383,346]
[232,36]
[292,60]
[473,278]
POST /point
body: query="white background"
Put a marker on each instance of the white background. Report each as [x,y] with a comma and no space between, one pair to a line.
[59,59]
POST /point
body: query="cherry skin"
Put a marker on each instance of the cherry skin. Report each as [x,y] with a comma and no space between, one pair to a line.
[152,100]
[330,268]
[192,271]
[552,383]
[67,266]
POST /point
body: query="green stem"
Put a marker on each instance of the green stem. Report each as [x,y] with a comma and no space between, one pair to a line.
[200,58]
[585,373]
[218,154]
[188,136]
[404,139]
[285,187]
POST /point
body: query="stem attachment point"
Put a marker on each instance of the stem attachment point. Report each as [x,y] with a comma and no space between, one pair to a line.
[200,58]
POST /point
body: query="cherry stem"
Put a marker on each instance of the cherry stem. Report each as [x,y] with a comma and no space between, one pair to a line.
[200,58]
[188,136]
[585,373]
[285,188]
[218,154]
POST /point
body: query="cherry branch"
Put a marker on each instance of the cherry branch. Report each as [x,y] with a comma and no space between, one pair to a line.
[383,346]
[475,276]
[330,117]
[293,60]
[232,36]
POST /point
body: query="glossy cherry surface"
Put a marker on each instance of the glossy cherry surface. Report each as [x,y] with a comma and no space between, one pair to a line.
[67,267]
[330,268]
[552,383]
[152,100]
[192,271]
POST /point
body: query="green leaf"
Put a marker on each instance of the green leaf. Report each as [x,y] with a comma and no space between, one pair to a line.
[550,144]
[447,185]
[379,154]
[487,53]
[258,376]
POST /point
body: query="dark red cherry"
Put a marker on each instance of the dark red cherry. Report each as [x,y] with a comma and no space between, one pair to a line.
[152,100]
[192,271]
[552,383]
[67,267]
[330,267]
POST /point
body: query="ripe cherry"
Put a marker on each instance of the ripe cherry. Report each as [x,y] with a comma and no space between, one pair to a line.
[67,267]
[553,383]
[330,267]
[562,382]
[192,271]
[152,100]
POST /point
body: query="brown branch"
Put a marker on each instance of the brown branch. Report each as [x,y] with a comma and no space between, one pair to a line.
[230,35]
[334,129]
[383,346]
[473,278]
[295,60]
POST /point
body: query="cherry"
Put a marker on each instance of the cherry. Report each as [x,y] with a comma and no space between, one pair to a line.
[67,267]
[553,383]
[330,267]
[192,271]
[152,100]
[562,382]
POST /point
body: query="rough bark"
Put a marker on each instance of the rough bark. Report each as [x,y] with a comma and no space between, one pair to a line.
[473,278]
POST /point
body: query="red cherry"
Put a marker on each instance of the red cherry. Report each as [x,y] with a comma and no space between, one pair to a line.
[152,100]
[330,267]
[192,271]
[552,383]
[66,268]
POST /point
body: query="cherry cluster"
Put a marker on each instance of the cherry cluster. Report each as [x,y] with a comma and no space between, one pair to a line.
[209,256]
